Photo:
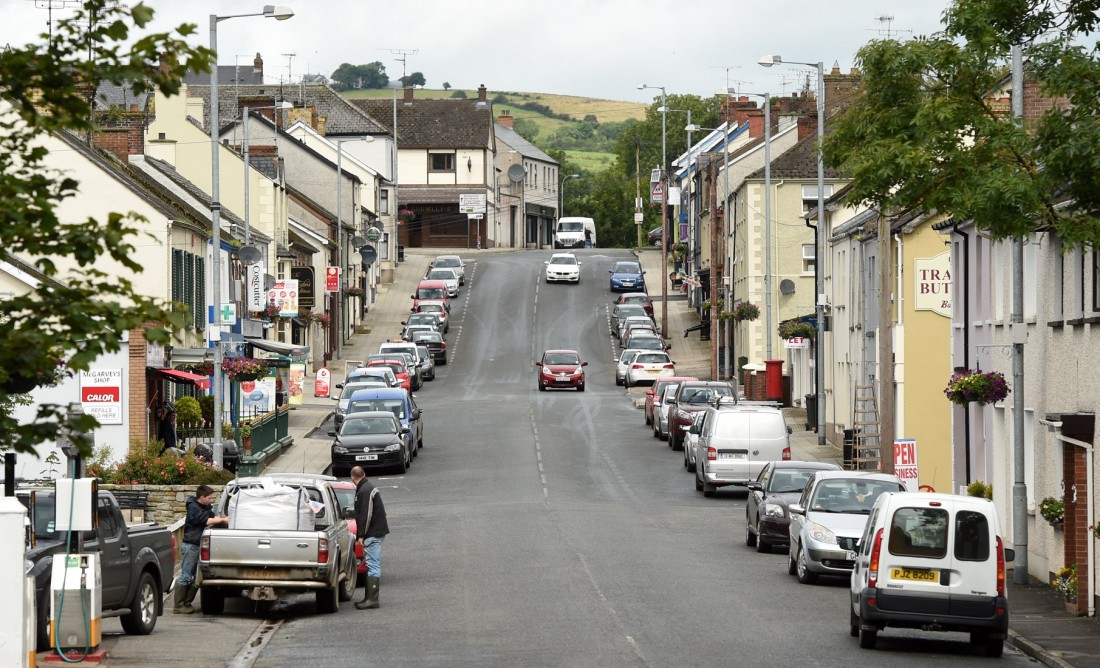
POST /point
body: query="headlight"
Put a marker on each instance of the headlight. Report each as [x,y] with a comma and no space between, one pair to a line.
[393,447]
[822,534]
[547,372]
[683,415]
[578,371]
[341,410]
[339,450]
[774,510]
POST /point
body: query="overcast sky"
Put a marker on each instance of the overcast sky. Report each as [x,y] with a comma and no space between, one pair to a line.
[592,48]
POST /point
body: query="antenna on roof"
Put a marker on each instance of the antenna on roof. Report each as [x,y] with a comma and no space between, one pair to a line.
[404,53]
[289,60]
[885,27]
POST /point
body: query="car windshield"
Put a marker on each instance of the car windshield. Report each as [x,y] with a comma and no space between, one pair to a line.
[628,268]
[360,384]
[651,358]
[627,356]
[702,395]
[395,406]
[431,293]
[563,259]
[749,424]
[431,308]
[787,481]
[646,343]
[854,497]
[442,274]
[370,425]
[569,227]
[561,358]
[640,299]
[396,367]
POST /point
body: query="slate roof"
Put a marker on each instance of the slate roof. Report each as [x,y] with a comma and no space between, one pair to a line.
[799,162]
[108,94]
[340,116]
[227,75]
[443,123]
[109,164]
[524,147]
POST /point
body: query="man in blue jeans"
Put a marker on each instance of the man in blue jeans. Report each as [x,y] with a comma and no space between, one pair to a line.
[371,528]
[200,514]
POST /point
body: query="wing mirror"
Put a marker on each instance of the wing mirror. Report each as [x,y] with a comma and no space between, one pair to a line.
[789,429]
[796,509]
[755,486]
[332,433]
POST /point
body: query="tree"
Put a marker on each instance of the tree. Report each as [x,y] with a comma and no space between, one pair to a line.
[921,133]
[446,85]
[371,75]
[704,112]
[414,79]
[73,317]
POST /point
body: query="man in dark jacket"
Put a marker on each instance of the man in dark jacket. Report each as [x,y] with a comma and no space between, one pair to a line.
[200,514]
[167,431]
[371,529]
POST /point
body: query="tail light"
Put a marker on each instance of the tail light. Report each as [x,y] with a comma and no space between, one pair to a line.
[443,346]
[204,549]
[322,551]
[712,454]
[786,454]
[872,568]
[636,366]
[1000,567]
[670,366]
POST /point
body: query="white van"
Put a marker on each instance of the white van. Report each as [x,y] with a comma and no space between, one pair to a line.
[570,232]
[735,441]
[934,562]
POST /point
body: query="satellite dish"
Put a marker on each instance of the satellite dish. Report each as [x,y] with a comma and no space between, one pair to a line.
[249,255]
[358,240]
[786,286]
[369,255]
[516,173]
[269,281]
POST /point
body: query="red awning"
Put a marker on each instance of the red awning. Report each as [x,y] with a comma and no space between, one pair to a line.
[177,376]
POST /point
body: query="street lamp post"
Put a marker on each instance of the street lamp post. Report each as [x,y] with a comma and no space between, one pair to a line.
[340,252]
[819,249]
[270,11]
[687,170]
[664,210]
[561,194]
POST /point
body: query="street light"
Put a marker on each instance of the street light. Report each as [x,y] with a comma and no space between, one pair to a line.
[270,11]
[819,250]
[340,255]
[561,194]
[687,172]
[664,211]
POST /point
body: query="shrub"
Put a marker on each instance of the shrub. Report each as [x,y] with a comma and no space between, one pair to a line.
[980,489]
[188,412]
[1052,510]
[796,328]
[146,466]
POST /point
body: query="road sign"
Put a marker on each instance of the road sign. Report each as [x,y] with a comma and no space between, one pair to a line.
[639,217]
[657,193]
[471,203]
[475,216]
[374,234]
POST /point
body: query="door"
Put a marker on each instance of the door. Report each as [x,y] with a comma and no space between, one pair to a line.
[916,572]
[114,550]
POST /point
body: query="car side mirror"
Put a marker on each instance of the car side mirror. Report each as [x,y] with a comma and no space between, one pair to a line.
[755,486]
[539,363]
[1010,554]
[789,429]
[547,262]
[338,386]
[668,346]
[417,412]
[611,271]
[584,363]
[332,433]
[796,509]
[404,430]
[649,393]
[693,429]
[348,513]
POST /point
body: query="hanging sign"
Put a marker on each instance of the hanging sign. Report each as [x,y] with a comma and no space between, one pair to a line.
[332,279]
[285,296]
[257,296]
[101,394]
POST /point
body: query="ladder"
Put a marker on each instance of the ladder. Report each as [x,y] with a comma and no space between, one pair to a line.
[866,447]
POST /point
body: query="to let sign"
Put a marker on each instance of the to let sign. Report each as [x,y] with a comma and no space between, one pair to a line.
[101,394]
[905,463]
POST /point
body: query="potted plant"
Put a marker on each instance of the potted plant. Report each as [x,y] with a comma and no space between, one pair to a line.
[46,372]
[1065,581]
[245,432]
[406,215]
[1053,511]
[1095,530]
[322,319]
[796,329]
[979,386]
[746,311]
[271,312]
[244,368]
[982,490]
[353,292]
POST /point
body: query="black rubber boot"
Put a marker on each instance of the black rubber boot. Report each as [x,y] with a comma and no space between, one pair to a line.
[182,605]
[370,596]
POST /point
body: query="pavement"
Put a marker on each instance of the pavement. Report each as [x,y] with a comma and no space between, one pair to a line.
[1040,626]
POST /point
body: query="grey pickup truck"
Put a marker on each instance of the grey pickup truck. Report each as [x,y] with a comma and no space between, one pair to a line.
[136,562]
[265,564]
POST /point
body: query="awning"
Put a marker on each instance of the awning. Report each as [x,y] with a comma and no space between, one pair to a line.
[177,376]
[278,347]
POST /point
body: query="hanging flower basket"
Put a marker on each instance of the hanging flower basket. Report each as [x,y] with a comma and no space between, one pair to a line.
[202,369]
[23,380]
[322,319]
[406,215]
[244,368]
[353,292]
[1052,510]
[980,387]
[746,311]
[270,312]
[796,329]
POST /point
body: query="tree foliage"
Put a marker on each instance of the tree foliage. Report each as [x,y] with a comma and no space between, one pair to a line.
[370,75]
[414,79]
[77,314]
[922,133]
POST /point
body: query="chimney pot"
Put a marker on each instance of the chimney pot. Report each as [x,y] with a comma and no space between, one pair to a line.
[505,119]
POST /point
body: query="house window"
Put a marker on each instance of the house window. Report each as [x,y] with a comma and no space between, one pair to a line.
[442,162]
[1095,280]
[809,196]
[1059,279]
[189,286]
[1031,276]
[383,201]
[809,258]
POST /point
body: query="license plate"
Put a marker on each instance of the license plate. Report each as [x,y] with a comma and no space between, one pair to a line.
[654,371]
[264,574]
[914,575]
[366,458]
[733,455]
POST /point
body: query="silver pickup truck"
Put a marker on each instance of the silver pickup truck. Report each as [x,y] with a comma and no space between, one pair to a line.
[266,564]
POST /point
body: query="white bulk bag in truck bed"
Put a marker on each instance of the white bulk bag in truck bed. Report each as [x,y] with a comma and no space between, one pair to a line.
[271,507]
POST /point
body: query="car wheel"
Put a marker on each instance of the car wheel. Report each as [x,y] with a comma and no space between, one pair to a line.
[212,600]
[347,586]
[690,464]
[580,388]
[994,646]
[867,637]
[853,622]
[685,458]
[709,490]
[698,484]
[750,537]
[661,434]
[761,546]
[143,609]
[648,420]
[328,600]
[656,431]
[792,569]
[542,388]
[805,575]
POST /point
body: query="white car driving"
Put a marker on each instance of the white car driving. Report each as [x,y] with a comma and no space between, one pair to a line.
[448,276]
[563,267]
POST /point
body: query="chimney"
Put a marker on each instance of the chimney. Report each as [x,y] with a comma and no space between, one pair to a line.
[755,120]
[121,132]
[505,119]
[167,62]
[807,126]
[258,67]
[481,93]
[408,94]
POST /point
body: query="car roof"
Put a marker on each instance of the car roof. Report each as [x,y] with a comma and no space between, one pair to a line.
[369,414]
[448,257]
[798,464]
[856,475]
[450,269]
[379,393]
[627,295]
[286,477]
[560,350]
[572,255]
[431,283]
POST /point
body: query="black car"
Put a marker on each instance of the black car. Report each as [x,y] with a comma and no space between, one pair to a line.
[435,344]
[767,520]
[373,440]
[655,235]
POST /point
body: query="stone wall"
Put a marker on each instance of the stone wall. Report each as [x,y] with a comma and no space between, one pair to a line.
[166,503]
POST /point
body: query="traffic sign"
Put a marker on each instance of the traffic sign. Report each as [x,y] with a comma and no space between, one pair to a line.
[471,203]
[657,193]
[639,217]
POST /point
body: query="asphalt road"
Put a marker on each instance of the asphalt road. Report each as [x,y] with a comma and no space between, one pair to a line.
[551,529]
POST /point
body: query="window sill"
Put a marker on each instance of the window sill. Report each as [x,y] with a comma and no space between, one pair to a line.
[1075,322]
[1056,324]
[1092,320]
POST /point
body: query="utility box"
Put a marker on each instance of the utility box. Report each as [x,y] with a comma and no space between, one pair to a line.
[17,614]
[75,504]
[76,602]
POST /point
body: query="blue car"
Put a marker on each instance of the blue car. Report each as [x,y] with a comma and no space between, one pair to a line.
[396,400]
[627,277]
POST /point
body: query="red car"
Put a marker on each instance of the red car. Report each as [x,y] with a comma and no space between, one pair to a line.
[639,298]
[345,496]
[692,397]
[561,368]
[399,370]
[653,395]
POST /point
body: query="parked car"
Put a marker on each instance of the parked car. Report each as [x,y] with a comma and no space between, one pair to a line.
[653,395]
[399,402]
[349,388]
[561,368]
[829,518]
[934,562]
[648,366]
[440,309]
[646,341]
[736,439]
[625,358]
[345,496]
[431,290]
[407,333]
[426,360]
[635,324]
[639,299]
[399,370]
[627,277]
[620,312]
[448,276]
[767,520]
[373,440]
[563,267]
[690,397]
[435,344]
[655,235]
[362,371]
[433,320]
[451,262]
[662,412]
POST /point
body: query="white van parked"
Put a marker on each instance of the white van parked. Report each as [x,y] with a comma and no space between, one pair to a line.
[735,441]
[934,562]
[570,232]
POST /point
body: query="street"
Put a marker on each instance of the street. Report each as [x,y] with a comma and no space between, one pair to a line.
[551,528]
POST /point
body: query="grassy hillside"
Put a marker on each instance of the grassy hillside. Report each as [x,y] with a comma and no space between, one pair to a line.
[538,116]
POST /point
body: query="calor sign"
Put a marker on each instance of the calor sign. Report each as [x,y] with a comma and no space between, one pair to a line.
[101,394]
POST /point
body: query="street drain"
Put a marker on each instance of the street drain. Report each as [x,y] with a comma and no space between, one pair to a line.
[255,644]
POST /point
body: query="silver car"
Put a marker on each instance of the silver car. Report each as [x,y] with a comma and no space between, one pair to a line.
[427,364]
[829,518]
[661,412]
[451,262]
[625,359]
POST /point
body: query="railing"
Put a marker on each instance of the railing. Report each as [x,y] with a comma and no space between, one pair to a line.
[270,434]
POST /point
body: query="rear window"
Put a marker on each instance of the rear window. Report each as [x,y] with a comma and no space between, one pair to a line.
[628,268]
[919,532]
[971,536]
[737,424]
[651,358]
[395,406]
[702,395]
[430,293]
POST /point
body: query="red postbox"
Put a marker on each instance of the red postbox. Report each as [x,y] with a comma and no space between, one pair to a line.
[773,379]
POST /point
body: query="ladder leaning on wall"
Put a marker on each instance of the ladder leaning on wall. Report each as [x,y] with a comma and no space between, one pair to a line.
[866,446]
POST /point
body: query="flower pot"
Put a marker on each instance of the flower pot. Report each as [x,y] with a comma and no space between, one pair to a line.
[246,444]
[1058,524]
[245,377]
[17,384]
